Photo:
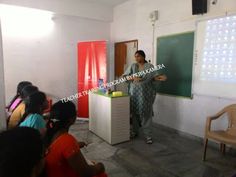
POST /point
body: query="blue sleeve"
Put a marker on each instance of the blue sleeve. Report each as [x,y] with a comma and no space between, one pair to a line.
[39,123]
[128,72]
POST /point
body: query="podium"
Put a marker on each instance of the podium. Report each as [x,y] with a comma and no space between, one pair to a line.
[109,117]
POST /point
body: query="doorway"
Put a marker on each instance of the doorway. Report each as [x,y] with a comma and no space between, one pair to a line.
[124,57]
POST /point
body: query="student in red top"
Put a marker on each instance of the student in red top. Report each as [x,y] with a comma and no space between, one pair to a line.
[64,158]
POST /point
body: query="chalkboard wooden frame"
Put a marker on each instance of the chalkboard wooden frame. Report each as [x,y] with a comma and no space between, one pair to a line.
[176,53]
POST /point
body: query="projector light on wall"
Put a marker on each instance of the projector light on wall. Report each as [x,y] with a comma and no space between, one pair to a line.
[219,50]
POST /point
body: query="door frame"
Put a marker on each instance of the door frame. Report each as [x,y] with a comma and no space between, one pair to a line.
[115,50]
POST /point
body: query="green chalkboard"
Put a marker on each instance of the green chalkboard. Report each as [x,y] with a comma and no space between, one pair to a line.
[176,53]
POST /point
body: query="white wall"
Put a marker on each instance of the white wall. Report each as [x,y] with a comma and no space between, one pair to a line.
[131,22]
[68,7]
[50,62]
[2,89]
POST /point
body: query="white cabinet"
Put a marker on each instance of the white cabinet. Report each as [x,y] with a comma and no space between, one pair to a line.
[109,117]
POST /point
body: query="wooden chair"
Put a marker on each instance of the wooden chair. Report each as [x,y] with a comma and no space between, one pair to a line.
[227,136]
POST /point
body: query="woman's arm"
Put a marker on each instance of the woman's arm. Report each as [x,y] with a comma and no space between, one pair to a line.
[128,74]
[78,163]
[150,73]
[82,144]
[161,77]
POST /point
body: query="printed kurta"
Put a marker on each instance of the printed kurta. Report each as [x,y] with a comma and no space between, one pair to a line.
[142,93]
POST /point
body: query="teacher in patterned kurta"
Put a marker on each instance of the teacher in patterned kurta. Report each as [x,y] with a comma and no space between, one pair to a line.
[142,95]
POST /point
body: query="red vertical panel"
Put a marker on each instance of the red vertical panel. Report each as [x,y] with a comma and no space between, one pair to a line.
[91,67]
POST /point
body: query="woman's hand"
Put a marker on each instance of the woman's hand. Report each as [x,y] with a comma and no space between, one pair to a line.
[129,78]
[100,168]
[82,144]
[133,78]
[161,78]
[137,79]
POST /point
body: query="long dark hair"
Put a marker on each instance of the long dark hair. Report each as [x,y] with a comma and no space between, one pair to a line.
[142,53]
[61,116]
[27,91]
[34,104]
[20,87]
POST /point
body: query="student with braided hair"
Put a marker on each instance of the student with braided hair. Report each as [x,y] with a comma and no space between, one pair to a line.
[64,158]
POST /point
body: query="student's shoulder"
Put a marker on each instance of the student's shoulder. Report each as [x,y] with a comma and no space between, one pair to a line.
[36,116]
[65,141]
[36,121]
[68,137]
[20,107]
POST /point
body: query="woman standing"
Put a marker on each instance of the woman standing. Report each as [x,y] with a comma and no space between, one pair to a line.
[142,95]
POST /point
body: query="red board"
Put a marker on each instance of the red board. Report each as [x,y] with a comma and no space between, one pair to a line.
[91,67]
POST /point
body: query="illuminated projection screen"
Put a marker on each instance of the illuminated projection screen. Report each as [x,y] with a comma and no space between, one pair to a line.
[215,66]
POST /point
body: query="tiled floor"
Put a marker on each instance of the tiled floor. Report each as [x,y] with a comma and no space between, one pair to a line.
[171,155]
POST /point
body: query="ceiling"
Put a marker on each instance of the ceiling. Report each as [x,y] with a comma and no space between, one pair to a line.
[107,2]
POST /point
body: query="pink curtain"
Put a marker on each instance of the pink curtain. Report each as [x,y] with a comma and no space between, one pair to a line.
[91,67]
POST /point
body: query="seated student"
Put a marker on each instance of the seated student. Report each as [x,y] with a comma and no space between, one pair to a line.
[18,113]
[21,153]
[64,158]
[34,106]
[17,98]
